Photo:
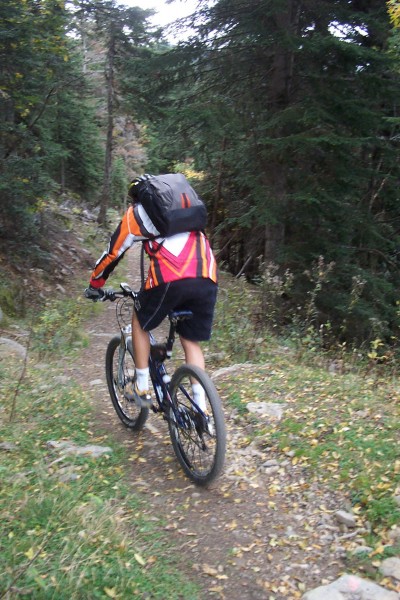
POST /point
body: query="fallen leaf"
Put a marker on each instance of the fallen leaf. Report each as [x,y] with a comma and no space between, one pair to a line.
[30,553]
[210,571]
[139,559]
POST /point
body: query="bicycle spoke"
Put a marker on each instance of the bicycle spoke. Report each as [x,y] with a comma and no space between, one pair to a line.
[120,370]
[198,437]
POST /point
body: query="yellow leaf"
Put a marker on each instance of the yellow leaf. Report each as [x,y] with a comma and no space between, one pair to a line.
[210,570]
[110,592]
[139,559]
[378,550]
[30,554]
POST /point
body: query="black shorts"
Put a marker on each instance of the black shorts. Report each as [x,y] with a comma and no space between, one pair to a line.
[198,295]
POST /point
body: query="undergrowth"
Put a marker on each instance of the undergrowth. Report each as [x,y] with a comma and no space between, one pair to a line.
[341,422]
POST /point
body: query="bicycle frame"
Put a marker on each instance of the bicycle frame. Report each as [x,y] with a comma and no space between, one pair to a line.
[158,373]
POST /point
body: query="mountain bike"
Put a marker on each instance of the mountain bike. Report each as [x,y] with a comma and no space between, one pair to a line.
[198,436]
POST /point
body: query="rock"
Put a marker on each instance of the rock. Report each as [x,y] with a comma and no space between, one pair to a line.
[270,463]
[266,409]
[8,446]
[323,593]
[93,451]
[8,346]
[68,448]
[96,382]
[362,550]
[350,587]
[394,534]
[390,567]
[346,518]
[53,444]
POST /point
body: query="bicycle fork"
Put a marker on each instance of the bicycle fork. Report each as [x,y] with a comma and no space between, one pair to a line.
[125,345]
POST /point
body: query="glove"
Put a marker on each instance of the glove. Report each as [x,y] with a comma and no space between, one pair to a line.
[94,294]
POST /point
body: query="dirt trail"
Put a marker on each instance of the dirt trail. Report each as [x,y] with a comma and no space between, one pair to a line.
[261,531]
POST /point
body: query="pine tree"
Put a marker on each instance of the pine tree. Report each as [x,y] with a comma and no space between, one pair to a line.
[291,109]
[122,31]
[42,98]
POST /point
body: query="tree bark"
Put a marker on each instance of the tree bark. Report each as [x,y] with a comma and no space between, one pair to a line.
[106,191]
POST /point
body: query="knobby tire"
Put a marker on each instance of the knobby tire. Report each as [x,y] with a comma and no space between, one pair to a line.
[129,414]
[199,448]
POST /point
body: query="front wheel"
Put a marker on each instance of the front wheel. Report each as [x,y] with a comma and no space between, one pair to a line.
[198,438]
[120,370]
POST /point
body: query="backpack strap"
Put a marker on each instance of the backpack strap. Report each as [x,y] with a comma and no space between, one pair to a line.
[142,268]
[142,253]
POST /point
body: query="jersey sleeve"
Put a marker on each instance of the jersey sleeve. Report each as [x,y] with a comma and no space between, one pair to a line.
[127,232]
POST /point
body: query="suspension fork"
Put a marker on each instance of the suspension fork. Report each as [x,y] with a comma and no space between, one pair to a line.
[125,345]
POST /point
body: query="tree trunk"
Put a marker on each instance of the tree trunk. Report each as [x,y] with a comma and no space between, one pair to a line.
[218,193]
[286,22]
[106,191]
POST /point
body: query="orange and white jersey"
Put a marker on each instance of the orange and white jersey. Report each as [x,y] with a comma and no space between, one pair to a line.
[181,256]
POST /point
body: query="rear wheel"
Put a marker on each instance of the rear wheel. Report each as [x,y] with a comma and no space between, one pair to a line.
[120,369]
[198,439]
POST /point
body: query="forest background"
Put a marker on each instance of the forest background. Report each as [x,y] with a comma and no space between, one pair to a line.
[284,114]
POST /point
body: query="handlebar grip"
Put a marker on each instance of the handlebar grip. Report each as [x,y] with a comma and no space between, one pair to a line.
[109,295]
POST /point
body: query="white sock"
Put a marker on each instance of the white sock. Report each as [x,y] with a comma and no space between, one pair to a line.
[142,379]
[199,396]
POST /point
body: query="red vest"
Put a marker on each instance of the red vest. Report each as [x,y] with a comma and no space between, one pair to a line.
[182,256]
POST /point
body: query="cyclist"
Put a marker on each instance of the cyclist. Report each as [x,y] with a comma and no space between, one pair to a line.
[182,276]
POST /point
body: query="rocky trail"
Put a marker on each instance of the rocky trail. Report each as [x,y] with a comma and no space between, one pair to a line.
[263,530]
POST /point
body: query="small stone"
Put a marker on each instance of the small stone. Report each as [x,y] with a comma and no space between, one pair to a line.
[70,448]
[348,587]
[362,550]
[93,451]
[54,445]
[96,382]
[390,567]
[271,470]
[8,446]
[394,534]
[346,518]
[266,409]
[270,463]
[323,593]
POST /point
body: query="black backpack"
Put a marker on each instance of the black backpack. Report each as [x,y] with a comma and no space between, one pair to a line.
[172,204]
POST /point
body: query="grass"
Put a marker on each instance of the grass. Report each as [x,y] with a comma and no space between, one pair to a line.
[87,536]
[342,429]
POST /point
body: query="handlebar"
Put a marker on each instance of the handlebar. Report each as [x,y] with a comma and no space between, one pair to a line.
[112,295]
